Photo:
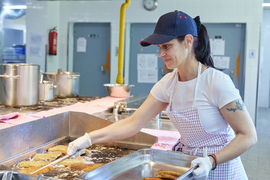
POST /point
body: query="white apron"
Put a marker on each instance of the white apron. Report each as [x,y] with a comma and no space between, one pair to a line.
[196,141]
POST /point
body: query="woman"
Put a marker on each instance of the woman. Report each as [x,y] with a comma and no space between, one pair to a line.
[201,102]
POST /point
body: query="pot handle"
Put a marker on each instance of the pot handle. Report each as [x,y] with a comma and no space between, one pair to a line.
[7,76]
[76,76]
[55,86]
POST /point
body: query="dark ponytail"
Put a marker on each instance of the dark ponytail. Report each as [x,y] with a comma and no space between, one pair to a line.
[201,45]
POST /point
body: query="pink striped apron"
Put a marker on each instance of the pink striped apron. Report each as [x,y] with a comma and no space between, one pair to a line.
[196,141]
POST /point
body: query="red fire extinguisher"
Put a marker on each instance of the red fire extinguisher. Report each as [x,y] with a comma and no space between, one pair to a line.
[53,41]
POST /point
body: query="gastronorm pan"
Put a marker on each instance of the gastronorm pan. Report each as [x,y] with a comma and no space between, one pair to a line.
[140,164]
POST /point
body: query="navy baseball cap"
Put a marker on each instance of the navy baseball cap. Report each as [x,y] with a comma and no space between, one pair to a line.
[169,26]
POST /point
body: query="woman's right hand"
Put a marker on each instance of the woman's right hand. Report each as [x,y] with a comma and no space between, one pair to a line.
[77,147]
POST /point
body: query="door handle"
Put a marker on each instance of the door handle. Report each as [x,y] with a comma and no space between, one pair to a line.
[102,68]
[231,75]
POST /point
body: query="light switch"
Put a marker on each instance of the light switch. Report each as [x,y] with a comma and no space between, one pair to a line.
[251,53]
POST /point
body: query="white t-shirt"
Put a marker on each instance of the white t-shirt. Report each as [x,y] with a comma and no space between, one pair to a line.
[215,90]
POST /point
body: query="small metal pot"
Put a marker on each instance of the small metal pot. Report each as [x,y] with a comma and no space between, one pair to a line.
[47,91]
[68,84]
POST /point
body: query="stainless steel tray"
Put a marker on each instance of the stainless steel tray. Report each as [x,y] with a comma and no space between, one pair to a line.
[142,163]
[10,175]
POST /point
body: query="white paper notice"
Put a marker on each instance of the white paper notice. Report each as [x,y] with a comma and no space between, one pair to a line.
[35,50]
[35,38]
[147,68]
[218,47]
[221,62]
[81,44]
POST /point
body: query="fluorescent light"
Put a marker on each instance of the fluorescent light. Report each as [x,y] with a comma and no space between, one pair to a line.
[15,7]
[266,4]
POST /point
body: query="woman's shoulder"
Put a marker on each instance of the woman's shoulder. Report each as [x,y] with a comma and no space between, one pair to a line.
[213,74]
[220,88]
[213,71]
[217,80]
[161,90]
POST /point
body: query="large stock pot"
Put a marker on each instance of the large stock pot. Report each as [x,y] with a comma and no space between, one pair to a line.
[19,84]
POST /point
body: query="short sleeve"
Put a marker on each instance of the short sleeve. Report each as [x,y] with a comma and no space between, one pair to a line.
[162,89]
[223,90]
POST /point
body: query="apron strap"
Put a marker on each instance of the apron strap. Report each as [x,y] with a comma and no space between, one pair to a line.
[194,151]
[196,86]
[171,94]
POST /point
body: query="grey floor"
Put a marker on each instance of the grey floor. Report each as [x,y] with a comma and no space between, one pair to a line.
[257,159]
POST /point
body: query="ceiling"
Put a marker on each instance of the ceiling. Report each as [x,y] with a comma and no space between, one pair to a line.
[23,2]
[13,2]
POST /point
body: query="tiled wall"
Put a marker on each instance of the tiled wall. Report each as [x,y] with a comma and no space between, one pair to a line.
[210,11]
[264,81]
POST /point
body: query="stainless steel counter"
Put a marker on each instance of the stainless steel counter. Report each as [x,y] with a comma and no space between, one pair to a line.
[4,111]
[155,123]
[129,103]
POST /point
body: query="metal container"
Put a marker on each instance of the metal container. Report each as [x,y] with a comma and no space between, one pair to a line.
[140,164]
[47,90]
[118,90]
[68,84]
[19,84]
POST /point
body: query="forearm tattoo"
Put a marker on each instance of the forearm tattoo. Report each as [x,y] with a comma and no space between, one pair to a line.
[238,106]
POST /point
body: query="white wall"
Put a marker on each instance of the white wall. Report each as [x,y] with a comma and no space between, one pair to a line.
[36,24]
[53,21]
[264,81]
[210,11]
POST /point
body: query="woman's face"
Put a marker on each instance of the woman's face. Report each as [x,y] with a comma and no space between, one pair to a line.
[174,53]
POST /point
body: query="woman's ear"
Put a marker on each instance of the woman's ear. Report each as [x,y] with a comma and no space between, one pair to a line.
[188,40]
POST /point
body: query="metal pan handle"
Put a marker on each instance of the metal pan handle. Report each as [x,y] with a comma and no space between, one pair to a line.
[189,175]
[7,76]
[76,76]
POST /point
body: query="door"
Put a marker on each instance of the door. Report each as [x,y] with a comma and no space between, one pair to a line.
[92,61]
[234,37]
[139,31]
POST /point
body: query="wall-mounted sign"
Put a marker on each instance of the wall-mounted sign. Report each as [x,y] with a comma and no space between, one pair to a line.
[147,68]
[81,44]
[217,47]
[221,62]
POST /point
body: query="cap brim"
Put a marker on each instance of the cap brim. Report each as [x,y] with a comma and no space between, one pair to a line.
[156,39]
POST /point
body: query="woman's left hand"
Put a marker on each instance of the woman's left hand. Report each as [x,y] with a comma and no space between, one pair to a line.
[204,168]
